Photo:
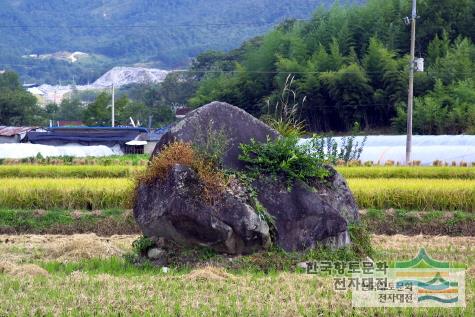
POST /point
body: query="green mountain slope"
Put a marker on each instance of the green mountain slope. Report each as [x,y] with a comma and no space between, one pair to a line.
[164,33]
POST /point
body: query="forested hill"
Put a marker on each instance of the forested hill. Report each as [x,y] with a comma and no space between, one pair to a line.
[163,33]
[350,64]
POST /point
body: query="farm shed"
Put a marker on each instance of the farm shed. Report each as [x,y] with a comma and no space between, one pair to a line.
[13,134]
[153,137]
[109,136]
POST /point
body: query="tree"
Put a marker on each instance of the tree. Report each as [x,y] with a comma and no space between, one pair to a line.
[70,109]
[98,112]
[177,88]
[351,93]
[17,106]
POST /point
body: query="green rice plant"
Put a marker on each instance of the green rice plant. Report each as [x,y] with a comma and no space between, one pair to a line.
[407,172]
[128,159]
[68,193]
[59,171]
[104,193]
[414,194]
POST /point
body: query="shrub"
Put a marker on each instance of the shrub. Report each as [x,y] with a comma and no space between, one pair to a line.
[349,149]
[141,245]
[285,156]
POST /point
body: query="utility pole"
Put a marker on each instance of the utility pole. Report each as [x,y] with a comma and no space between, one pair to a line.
[113,105]
[410,99]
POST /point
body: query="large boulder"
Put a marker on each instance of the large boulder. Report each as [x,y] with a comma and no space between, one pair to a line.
[305,215]
[237,124]
[174,209]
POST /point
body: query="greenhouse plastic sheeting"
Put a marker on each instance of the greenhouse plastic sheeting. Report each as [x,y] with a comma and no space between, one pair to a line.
[24,150]
[425,148]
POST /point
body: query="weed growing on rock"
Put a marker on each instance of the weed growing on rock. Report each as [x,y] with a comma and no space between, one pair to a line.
[246,181]
[183,153]
[211,144]
[284,116]
[172,154]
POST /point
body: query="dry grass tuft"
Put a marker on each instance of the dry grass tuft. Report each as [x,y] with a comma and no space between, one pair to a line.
[82,247]
[182,153]
[39,213]
[172,154]
[9,268]
[29,270]
[6,266]
[209,273]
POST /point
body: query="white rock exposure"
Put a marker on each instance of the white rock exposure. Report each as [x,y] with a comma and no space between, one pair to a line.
[119,76]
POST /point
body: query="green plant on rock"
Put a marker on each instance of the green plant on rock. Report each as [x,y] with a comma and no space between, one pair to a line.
[246,180]
[285,156]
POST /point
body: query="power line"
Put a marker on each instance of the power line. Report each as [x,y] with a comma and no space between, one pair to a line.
[264,72]
[157,26]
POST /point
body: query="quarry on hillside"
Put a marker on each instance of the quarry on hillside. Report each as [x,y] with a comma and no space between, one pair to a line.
[117,76]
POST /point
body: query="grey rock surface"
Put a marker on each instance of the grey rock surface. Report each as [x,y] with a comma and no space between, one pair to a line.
[303,217]
[174,209]
[237,124]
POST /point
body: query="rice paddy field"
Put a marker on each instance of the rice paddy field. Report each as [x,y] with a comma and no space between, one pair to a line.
[66,232]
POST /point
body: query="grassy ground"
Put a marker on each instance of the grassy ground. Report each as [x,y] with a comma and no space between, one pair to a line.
[87,274]
[60,221]
[75,282]
[394,221]
[119,221]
